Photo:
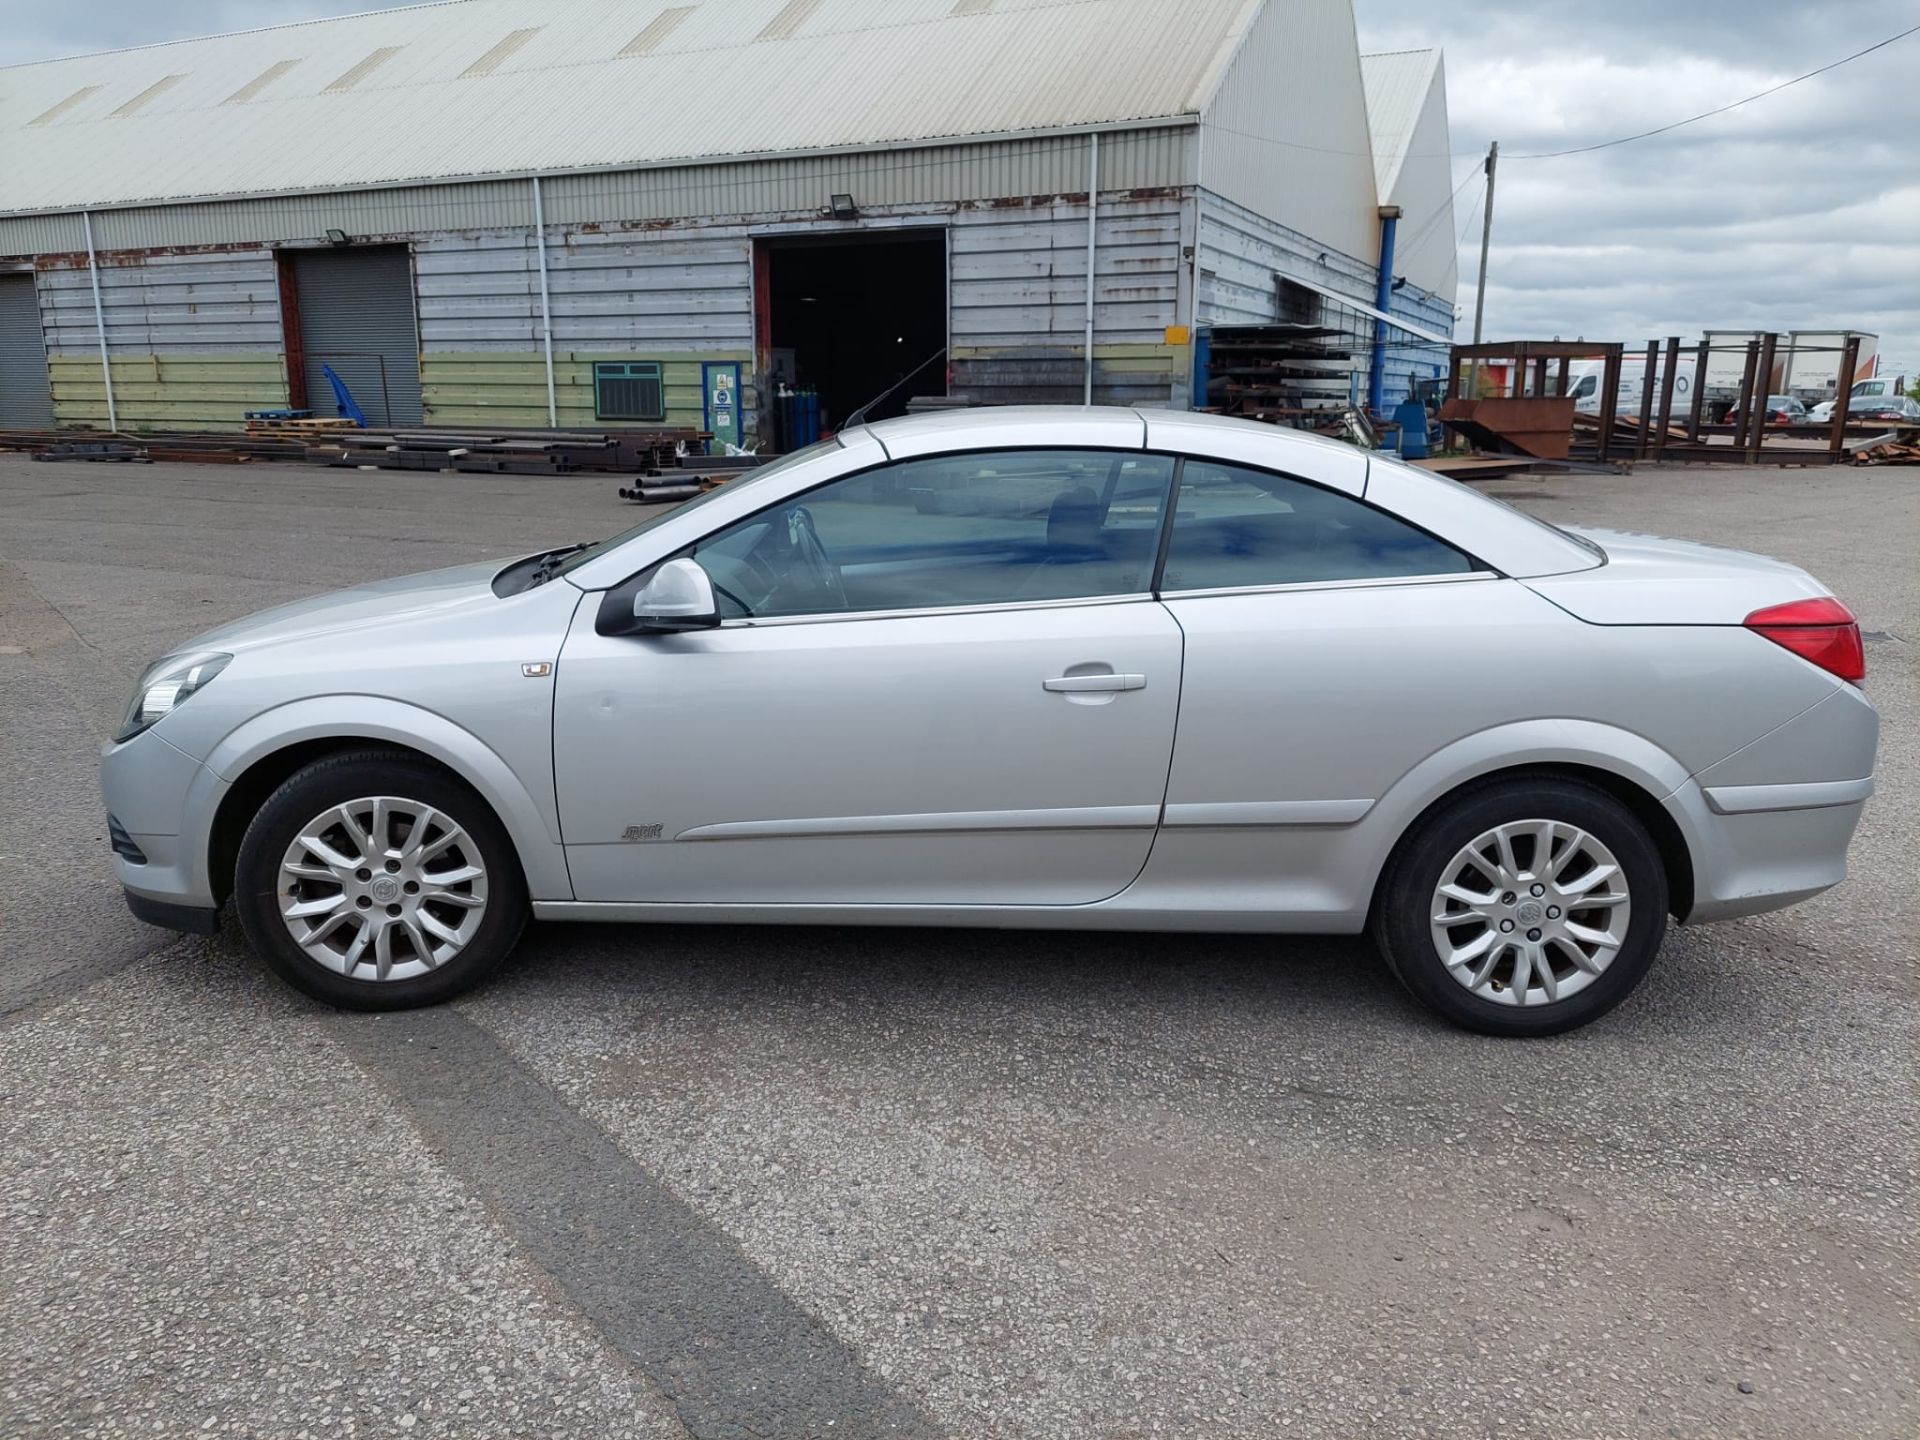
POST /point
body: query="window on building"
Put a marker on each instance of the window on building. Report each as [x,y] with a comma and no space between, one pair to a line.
[629,390]
[1240,527]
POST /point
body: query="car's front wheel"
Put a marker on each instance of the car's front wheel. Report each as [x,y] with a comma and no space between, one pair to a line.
[1524,907]
[377,881]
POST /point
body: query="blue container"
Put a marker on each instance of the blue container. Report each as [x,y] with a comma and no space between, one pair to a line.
[1412,417]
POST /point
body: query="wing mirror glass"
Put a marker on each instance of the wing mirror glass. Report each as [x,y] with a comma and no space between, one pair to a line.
[678,597]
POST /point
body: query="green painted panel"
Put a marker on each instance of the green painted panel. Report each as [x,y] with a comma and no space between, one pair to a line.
[168,392]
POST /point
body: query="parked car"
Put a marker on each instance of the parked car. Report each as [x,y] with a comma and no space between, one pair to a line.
[1780,410]
[1895,409]
[1879,399]
[928,672]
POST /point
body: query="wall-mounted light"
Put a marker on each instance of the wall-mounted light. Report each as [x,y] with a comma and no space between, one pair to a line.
[841,207]
[338,237]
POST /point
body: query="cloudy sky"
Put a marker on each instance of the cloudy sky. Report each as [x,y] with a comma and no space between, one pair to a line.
[1799,211]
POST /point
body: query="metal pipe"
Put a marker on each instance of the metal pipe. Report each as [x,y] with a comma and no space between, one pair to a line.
[546,302]
[1382,298]
[1093,222]
[100,321]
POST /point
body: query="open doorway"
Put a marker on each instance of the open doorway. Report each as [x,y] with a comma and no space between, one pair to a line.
[847,317]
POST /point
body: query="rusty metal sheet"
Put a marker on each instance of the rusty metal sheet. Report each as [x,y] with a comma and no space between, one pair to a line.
[1539,425]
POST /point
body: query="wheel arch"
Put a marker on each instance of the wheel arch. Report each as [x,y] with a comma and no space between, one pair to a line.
[1627,767]
[252,762]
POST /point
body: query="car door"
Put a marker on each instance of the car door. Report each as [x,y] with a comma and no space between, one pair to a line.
[939,681]
[1330,647]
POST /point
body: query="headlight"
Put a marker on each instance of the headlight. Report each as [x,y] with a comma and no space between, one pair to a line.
[165,685]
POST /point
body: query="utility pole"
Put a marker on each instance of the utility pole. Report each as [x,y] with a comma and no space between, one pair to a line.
[1486,234]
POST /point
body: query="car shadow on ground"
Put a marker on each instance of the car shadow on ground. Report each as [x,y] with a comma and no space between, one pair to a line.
[1291,985]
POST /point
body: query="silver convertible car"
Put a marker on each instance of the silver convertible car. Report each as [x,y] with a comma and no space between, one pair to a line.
[1070,668]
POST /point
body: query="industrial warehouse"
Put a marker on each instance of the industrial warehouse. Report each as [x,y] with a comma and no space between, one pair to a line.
[485,213]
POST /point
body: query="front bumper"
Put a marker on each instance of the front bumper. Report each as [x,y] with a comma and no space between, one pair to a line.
[163,801]
[193,919]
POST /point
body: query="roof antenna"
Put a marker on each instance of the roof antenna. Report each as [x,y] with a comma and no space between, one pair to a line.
[859,417]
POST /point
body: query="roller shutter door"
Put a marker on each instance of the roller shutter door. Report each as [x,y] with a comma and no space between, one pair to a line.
[26,400]
[356,314]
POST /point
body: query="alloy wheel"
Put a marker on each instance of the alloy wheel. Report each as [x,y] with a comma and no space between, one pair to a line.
[1530,912]
[382,888]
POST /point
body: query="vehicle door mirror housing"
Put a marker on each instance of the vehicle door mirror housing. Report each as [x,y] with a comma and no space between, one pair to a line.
[679,596]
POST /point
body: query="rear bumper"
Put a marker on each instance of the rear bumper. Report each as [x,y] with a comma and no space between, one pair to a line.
[1764,847]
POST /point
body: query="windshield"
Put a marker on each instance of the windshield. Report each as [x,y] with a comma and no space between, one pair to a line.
[667,512]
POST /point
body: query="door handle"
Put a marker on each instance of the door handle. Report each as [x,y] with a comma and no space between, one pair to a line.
[1083,684]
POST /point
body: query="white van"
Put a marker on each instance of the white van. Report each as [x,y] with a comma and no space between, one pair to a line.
[1584,378]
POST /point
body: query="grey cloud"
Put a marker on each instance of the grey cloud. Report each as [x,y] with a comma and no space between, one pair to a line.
[1798,211]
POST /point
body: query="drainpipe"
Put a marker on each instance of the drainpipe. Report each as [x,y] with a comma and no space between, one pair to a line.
[100,321]
[1382,297]
[546,304]
[1093,223]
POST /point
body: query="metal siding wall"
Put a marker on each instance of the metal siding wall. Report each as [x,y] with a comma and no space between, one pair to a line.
[659,290]
[1130,160]
[356,314]
[1286,133]
[1411,359]
[26,399]
[1240,254]
[1020,273]
[195,339]
[1427,253]
[1018,284]
[224,301]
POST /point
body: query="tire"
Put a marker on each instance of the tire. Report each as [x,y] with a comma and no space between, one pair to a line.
[1584,829]
[467,924]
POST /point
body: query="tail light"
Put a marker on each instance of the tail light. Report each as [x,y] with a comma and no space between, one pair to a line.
[1823,631]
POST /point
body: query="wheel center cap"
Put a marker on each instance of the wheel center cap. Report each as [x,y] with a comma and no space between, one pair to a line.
[386,890]
[1530,912]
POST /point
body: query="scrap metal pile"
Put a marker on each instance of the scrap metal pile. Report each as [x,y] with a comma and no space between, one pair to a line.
[1286,374]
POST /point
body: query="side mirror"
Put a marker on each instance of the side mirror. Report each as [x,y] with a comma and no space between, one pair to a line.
[678,597]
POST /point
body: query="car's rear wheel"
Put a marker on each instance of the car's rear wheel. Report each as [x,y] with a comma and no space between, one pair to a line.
[376,881]
[1525,907]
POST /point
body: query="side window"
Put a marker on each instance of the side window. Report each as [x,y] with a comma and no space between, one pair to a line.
[1246,527]
[987,527]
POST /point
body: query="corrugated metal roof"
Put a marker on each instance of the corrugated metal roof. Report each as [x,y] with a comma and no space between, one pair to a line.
[378,98]
[1397,82]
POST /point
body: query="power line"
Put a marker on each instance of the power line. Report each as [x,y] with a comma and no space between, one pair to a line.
[1721,110]
[1427,231]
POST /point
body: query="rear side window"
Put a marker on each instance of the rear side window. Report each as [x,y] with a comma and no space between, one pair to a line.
[1240,527]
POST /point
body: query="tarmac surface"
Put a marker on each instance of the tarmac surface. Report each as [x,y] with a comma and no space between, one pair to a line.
[734,1182]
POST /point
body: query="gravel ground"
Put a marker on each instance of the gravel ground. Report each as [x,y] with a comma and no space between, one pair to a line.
[986,1184]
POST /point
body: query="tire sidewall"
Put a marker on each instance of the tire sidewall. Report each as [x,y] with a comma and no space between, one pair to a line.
[331,782]
[1404,922]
